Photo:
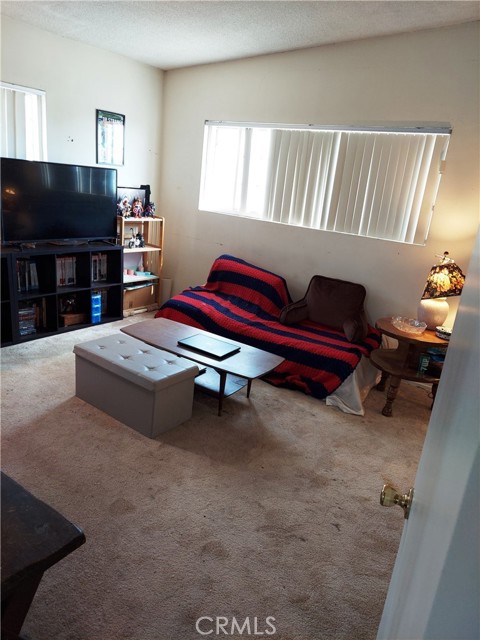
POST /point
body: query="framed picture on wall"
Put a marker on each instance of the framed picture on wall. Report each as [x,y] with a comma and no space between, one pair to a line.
[110,137]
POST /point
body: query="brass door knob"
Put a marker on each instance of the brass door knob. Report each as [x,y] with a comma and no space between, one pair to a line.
[390,496]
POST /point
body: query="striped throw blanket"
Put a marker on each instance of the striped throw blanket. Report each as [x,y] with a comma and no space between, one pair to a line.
[243,302]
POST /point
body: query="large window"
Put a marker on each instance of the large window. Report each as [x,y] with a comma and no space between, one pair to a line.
[24,131]
[368,182]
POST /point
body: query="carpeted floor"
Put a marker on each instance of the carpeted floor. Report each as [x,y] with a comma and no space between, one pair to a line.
[268,513]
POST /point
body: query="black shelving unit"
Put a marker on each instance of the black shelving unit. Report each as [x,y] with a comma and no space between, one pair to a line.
[48,289]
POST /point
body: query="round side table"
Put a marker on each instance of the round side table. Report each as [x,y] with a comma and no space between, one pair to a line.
[402,363]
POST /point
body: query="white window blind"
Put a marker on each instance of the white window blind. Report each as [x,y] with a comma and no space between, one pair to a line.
[23,113]
[375,183]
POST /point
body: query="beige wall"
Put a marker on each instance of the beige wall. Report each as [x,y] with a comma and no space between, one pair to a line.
[424,77]
[78,80]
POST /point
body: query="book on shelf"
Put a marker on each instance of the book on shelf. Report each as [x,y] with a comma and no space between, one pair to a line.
[66,271]
[99,267]
[32,317]
[27,275]
[27,320]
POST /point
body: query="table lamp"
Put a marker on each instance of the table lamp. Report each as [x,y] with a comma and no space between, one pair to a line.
[444,280]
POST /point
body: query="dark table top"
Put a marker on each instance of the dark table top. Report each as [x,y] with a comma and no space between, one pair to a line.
[34,535]
[163,333]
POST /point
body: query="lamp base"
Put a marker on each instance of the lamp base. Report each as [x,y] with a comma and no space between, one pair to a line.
[433,311]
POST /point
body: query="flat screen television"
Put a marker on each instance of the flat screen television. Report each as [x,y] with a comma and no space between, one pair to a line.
[48,202]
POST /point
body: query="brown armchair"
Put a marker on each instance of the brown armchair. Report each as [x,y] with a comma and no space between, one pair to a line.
[336,304]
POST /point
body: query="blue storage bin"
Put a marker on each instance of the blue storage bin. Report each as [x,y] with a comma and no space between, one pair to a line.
[96,312]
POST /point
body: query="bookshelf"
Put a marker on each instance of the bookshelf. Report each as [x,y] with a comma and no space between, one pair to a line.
[51,289]
[6,302]
[142,242]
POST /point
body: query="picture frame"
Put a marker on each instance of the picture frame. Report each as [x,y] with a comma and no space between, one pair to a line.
[110,136]
[127,196]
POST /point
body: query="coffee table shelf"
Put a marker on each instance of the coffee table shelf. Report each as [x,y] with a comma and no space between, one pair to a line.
[210,383]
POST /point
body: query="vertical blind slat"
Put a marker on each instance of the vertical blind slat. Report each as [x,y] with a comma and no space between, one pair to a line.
[370,183]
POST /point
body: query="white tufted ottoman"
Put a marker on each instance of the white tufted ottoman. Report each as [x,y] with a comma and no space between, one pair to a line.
[145,388]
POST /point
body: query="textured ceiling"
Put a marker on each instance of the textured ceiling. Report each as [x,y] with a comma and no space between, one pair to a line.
[169,34]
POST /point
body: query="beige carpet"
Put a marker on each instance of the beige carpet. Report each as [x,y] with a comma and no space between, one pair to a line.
[271,510]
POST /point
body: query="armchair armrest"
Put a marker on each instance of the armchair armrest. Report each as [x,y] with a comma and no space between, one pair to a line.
[356,328]
[294,312]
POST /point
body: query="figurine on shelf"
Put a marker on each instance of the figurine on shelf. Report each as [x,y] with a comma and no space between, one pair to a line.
[137,240]
[137,208]
[69,305]
[123,207]
[131,242]
[150,210]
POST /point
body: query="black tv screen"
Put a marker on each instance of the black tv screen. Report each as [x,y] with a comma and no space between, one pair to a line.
[49,201]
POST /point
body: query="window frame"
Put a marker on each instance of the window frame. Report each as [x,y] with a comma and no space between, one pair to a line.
[422,148]
[24,122]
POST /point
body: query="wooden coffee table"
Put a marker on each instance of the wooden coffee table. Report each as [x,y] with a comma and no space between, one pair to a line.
[223,377]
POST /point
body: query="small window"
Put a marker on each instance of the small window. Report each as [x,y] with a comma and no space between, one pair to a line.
[369,182]
[23,122]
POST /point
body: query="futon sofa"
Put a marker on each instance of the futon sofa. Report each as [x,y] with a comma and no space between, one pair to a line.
[322,337]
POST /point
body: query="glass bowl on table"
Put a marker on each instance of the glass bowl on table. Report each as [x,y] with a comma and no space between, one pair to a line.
[409,325]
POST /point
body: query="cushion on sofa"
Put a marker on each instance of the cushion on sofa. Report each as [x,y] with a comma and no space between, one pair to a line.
[333,303]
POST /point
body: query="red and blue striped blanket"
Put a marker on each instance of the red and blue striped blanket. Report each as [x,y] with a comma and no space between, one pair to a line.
[243,302]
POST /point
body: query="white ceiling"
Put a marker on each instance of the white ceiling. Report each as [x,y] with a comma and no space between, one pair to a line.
[176,33]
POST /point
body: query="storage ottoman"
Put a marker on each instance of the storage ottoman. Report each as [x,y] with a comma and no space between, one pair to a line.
[146,388]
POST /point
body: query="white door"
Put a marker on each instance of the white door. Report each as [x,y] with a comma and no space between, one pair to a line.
[434,592]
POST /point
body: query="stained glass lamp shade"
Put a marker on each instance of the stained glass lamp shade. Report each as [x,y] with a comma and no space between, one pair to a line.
[444,280]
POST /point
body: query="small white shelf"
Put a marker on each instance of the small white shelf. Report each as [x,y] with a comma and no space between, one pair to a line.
[138,279]
[144,219]
[148,247]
